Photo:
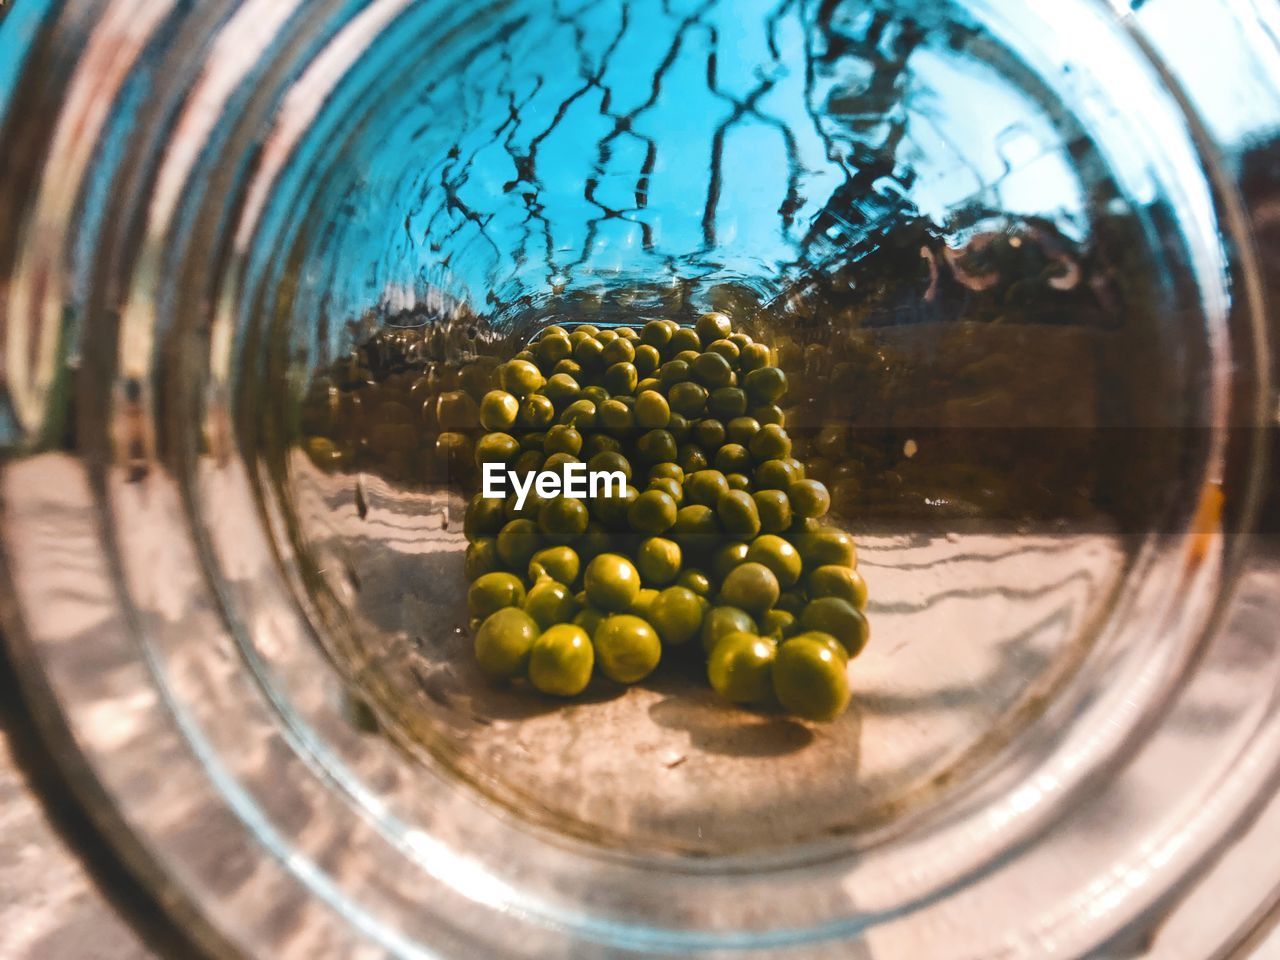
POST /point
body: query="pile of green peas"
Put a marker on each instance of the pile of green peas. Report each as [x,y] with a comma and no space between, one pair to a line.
[717,546]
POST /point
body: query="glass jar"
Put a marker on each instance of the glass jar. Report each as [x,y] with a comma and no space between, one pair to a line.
[1013,257]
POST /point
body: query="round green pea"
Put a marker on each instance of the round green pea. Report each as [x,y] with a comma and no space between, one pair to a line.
[537,411]
[612,510]
[706,487]
[676,614]
[710,434]
[551,350]
[658,561]
[503,643]
[778,624]
[496,448]
[827,640]
[589,352]
[550,602]
[740,668]
[841,619]
[615,416]
[653,512]
[669,471]
[775,510]
[484,517]
[498,410]
[562,389]
[643,601]
[721,621]
[656,446]
[581,414]
[765,385]
[563,519]
[482,557]
[742,429]
[656,333]
[691,458]
[751,587]
[652,410]
[754,356]
[727,558]
[695,580]
[839,581]
[696,528]
[619,350]
[738,481]
[774,475]
[826,545]
[733,458]
[670,487]
[809,498]
[713,326]
[520,378]
[612,582]
[779,556]
[627,647]
[558,461]
[809,680]
[684,339]
[610,461]
[727,403]
[621,377]
[738,514]
[559,563]
[771,443]
[680,427]
[712,370]
[561,660]
[492,592]
[687,398]
[726,348]
[518,541]
[562,438]
[647,360]
[673,372]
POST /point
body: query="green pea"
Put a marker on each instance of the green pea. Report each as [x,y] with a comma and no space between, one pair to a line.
[775,475]
[778,625]
[482,557]
[563,519]
[738,514]
[498,410]
[589,352]
[687,398]
[496,448]
[559,563]
[670,487]
[713,326]
[826,546]
[779,556]
[733,458]
[569,367]
[695,580]
[647,360]
[696,528]
[727,558]
[841,619]
[532,440]
[615,416]
[518,541]
[797,468]
[629,333]
[653,512]
[656,333]
[652,410]
[551,350]
[484,517]
[537,411]
[643,601]
[558,461]
[741,668]
[520,378]
[809,498]
[706,487]
[619,350]
[754,356]
[595,541]
[726,348]
[598,443]
[610,461]
[621,377]
[580,414]
[712,370]
[691,458]
[561,661]
[688,356]
[774,509]
[628,648]
[742,429]
[709,434]
[765,385]
[684,339]
[503,643]
[612,582]
[612,510]
[607,336]
[738,481]
[563,438]
[719,622]
[792,601]
[727,403]
[658,561]
[648,383]
[809,680]
[771,443]
[839,581]
[770,413]
[562,389]
[676,614]
[656,446]
[751,587]
[550,602]
[673,372]
[669,471]
[492,592]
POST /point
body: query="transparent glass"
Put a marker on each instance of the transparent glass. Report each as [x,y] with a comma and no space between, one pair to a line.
[1006,257]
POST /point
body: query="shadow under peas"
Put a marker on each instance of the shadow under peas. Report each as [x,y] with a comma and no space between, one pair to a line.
[716,727]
